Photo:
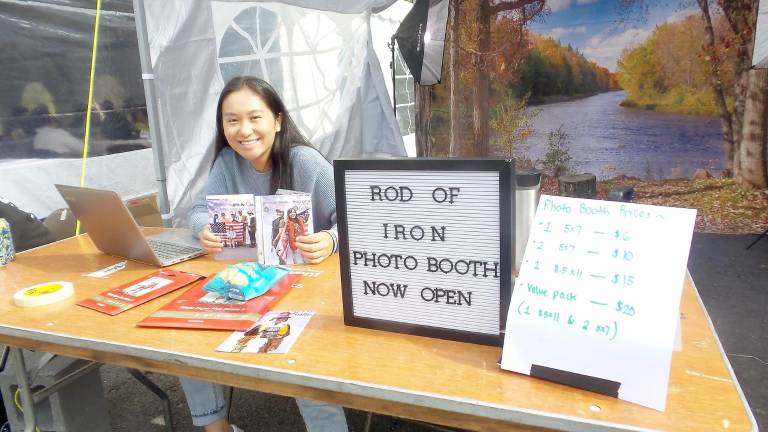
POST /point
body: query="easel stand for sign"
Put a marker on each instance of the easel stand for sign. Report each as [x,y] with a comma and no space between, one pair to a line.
[760,237]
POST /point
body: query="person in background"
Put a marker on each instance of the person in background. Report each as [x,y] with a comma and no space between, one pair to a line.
[115,125]
[14,141]
[277,228]
[77,121]
[137,114]
[50,138]
[217,226]
[35,94]
[292,229]
[17,125]
[258,149]
[230,241]
[252,229]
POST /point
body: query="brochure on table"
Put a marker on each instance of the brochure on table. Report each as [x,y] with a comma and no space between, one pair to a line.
[275,333]
[139,291]
[596,303]
[200,309]
[261,228]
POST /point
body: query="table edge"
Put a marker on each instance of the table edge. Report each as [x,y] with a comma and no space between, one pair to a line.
[723,354]
[462,406]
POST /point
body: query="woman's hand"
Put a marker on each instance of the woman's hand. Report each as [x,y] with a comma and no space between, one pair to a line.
[210,242]
[315,247]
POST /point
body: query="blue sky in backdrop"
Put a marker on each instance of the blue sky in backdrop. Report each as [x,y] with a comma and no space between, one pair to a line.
[596,29]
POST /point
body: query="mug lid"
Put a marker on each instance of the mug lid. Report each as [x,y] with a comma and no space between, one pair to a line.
[527,177]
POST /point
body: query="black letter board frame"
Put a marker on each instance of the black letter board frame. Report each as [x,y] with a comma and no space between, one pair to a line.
[506,203]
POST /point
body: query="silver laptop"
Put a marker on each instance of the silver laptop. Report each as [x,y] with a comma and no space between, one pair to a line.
[114,231]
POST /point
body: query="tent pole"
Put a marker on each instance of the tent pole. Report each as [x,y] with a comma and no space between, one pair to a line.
[392,48]
[148,78]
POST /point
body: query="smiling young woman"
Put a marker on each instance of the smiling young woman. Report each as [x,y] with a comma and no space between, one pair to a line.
[257,150]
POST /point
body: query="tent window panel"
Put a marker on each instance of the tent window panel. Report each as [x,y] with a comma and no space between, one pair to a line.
[44,83]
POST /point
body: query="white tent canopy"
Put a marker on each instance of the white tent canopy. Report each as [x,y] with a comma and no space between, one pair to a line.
[760,52]
[317,54]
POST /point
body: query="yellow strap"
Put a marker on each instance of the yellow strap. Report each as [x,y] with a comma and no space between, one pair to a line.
[90,100]
[18,405]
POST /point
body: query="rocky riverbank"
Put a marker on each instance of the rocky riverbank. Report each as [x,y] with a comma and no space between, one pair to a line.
[722,206]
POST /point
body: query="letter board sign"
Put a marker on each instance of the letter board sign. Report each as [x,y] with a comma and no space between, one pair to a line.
[425,245]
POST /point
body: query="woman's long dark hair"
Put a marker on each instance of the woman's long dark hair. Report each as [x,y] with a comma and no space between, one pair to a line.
[289,135]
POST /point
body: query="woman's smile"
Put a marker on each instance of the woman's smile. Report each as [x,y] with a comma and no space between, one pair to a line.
[250,143]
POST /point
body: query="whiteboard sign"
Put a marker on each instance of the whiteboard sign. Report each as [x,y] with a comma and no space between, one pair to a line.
[425,245]
[597,299]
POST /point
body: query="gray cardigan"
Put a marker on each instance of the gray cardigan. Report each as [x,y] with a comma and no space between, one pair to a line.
[231,174]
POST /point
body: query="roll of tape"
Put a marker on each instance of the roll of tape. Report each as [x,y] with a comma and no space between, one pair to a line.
[43,294]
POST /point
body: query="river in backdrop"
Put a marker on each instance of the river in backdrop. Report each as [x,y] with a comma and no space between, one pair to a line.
[608,140]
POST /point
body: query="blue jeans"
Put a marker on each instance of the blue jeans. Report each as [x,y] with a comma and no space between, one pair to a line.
[206,404]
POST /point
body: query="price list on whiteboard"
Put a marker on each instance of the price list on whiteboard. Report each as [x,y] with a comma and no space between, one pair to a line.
[596,302]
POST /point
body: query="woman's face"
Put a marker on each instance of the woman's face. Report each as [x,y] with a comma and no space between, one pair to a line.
[292,214]
[250,127]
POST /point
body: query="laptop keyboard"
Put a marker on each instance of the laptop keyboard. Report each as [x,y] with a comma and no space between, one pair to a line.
[169,251]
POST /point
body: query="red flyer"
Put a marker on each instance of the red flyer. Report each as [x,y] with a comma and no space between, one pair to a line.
[200,309]
[139,291]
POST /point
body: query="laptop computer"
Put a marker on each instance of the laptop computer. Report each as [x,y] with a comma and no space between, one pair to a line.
[114,231]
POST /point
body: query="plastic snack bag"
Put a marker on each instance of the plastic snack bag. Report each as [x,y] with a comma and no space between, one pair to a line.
[244,281]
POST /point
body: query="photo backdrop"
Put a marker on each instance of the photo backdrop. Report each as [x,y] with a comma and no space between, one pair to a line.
[318,55]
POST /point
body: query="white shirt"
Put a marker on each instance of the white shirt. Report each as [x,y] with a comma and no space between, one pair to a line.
[57,140]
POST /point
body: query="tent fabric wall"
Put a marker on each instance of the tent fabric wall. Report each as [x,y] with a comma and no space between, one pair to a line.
[760,51]
[317,54]
[28,183]
[48,47]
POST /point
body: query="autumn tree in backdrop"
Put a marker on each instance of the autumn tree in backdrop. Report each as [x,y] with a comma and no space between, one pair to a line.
[669,70]
[495,67]
[549,68]
[487,40]
[508,16]
[513,124]
[741,105]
